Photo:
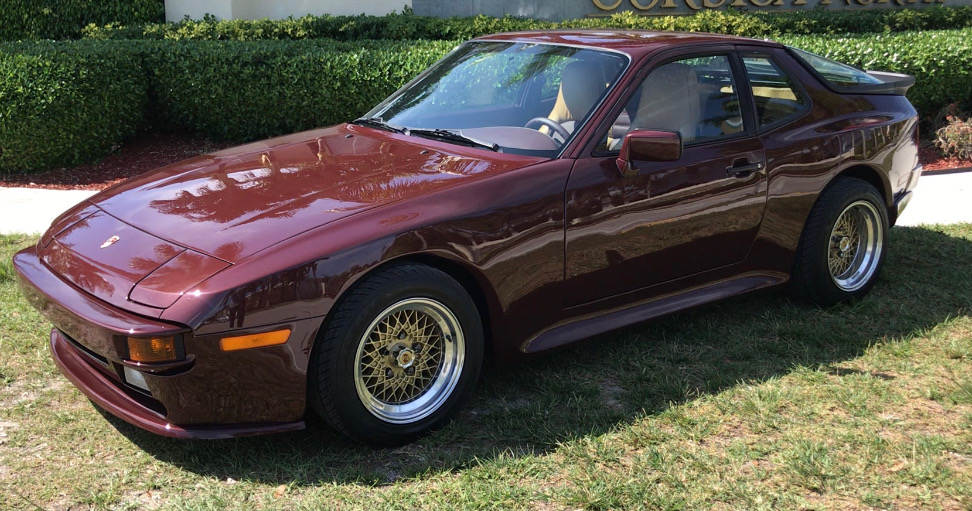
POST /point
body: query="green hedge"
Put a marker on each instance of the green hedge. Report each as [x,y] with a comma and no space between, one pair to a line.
[406,26]
[71,102]
[244,91]
[64,19]
[63,103]
[68,103]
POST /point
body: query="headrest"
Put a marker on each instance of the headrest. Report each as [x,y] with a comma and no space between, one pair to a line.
[581,84]
[670,101]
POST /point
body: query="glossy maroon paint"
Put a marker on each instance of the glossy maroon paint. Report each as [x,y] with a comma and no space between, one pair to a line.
[269,235]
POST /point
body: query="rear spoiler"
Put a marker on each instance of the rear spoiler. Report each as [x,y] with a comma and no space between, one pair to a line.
[891,83]
[887,83]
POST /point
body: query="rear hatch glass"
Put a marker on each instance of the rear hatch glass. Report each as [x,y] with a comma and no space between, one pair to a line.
[851,80]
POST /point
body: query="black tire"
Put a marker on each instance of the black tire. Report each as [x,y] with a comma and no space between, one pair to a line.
[839,263]
[399,356]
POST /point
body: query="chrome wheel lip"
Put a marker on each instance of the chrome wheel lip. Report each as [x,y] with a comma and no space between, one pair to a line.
[446,377]
[853,258]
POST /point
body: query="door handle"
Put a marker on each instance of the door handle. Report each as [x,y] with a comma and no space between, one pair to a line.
[744,169]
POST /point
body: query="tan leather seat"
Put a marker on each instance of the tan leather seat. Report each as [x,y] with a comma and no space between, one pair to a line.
[670,101]
[581,84]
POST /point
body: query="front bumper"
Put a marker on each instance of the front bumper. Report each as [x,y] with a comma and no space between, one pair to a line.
[138,410]
[211,394]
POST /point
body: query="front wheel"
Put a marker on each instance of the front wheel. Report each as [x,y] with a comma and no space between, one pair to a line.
[843,244]
[398,357]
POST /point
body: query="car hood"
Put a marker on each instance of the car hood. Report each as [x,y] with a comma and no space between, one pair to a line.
[180,224]
[234,203]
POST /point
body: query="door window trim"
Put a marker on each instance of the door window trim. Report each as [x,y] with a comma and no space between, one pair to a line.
[740,80]
[797,86]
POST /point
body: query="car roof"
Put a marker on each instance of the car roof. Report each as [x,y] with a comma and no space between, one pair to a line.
[633,42]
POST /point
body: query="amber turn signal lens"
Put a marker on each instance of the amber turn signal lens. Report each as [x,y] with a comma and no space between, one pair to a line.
[152,349]
[254,341]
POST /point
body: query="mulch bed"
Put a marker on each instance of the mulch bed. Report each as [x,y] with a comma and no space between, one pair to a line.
[932,160]
[157,149]
[135,157]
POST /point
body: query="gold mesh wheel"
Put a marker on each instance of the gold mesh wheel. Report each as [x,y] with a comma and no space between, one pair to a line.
[409,360]
[856,242]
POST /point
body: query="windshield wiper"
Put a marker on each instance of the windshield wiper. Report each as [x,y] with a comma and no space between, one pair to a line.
[378,122]
[453,136]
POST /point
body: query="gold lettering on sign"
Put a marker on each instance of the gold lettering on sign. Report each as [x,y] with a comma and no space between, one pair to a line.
[600,5]
[765,3]
[709,4]
[668,4]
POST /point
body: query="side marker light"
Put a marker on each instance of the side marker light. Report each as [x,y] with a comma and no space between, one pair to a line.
[244,342]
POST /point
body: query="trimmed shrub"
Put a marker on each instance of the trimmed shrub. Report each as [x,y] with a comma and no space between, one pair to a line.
[67,103]
[407,26]
[64,19]
[244,91]
[811,22]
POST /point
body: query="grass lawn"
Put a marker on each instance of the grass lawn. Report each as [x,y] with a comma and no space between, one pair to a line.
[752,403]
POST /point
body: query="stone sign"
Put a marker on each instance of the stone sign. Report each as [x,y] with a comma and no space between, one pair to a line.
[557,10]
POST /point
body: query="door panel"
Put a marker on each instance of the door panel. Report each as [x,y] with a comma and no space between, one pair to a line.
[667,221]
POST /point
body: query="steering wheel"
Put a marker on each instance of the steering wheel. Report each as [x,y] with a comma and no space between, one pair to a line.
[550,123]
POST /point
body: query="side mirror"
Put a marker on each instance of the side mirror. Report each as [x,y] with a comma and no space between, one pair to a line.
[648,145]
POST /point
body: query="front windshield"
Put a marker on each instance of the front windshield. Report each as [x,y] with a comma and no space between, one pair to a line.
[525,98]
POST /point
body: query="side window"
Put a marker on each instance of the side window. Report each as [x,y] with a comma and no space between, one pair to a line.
[773,91]
[696,97]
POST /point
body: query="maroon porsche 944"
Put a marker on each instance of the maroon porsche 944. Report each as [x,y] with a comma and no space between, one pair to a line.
[527,191]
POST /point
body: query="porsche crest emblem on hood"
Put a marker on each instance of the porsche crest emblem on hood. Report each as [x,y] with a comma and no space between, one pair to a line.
[110,241]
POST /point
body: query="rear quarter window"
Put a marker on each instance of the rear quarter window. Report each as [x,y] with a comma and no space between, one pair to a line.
[836,74]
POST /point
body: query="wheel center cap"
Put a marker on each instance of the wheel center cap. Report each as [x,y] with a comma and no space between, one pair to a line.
[845,244]
[405,358]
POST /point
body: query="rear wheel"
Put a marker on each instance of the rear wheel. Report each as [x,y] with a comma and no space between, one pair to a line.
[842,248]
[399,355]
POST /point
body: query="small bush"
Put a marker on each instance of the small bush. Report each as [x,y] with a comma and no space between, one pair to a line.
[64,19]
[66,104]
[955,138]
